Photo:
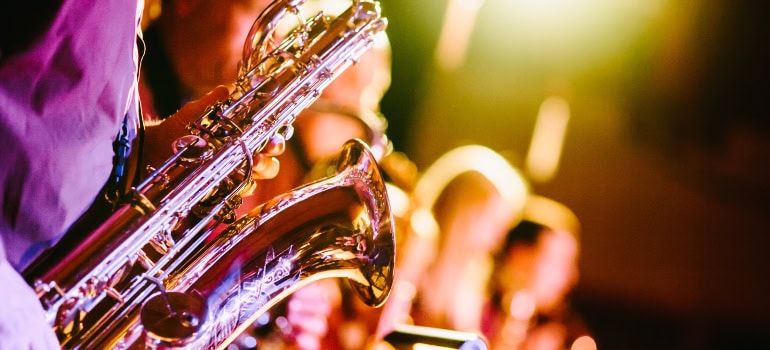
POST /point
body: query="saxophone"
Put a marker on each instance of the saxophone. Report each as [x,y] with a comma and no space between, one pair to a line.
[154,274]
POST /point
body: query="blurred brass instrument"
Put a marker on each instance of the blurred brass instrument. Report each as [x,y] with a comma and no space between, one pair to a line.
[422,235]
[155,273]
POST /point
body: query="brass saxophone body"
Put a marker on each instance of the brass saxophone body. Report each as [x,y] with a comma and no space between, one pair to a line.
[158,243]
[340,226]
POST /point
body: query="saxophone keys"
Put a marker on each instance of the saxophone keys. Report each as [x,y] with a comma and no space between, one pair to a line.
[194,149]
[140,202]
[173,319]
[114,294]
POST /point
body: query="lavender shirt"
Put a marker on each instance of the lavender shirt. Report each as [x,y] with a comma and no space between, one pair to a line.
[62,103]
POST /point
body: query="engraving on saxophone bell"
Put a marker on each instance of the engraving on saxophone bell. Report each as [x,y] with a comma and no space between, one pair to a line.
[236,305]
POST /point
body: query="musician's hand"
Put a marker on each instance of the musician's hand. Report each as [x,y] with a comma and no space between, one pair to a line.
[266,164]
[22,324]
[159,137]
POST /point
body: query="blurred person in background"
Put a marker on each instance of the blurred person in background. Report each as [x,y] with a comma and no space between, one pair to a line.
[536,270]
[461,208]
[501,263]
[472,218]
[192,46]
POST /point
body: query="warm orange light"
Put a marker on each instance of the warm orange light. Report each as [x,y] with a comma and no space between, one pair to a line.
[548,139]
[459,20]
[584,343]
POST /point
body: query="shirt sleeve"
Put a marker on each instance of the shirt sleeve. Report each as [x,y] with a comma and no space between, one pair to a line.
[63,101]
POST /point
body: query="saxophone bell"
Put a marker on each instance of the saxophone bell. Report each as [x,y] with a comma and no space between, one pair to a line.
[338,227]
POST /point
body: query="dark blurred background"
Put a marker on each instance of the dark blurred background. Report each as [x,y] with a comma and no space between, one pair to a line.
[665,158]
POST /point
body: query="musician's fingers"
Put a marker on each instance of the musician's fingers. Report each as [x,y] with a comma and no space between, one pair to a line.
[194,109]
[275,146]
[159,137]
[265,167]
